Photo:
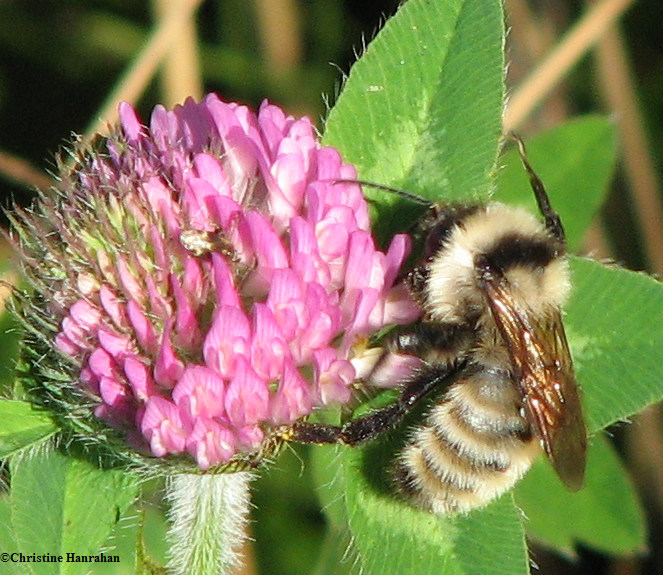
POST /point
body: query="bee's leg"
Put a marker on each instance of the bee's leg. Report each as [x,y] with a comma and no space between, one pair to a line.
[422,337]
[354,432]
[310,432]
[374,423]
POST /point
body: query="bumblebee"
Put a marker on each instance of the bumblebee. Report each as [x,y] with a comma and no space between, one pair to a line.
[491,284]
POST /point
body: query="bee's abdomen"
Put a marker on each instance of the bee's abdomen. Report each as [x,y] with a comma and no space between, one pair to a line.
[474,446]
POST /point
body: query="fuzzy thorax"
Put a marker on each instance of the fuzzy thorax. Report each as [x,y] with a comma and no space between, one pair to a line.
[512,241]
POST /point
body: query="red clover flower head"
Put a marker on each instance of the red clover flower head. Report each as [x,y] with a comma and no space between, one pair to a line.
[201,281]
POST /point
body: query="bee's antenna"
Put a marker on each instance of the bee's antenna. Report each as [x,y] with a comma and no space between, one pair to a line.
[551,217]
[402,193]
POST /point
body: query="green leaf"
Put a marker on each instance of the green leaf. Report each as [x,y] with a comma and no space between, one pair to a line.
[422,108]
[7,541]
[604,515]
[21,426]
[334,558]
[574,161]
[491,540]
[614,324]
[63,505]
[326,461]
[140,538]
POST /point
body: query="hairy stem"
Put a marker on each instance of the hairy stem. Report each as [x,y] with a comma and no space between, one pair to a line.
[208,517]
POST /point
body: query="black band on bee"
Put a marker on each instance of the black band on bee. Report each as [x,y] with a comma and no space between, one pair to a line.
[462,456]
[516,250]
[475,423]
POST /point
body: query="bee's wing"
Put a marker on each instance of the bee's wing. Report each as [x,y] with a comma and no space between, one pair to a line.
[543,365]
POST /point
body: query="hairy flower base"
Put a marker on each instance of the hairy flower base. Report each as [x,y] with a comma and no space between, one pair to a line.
[201,281]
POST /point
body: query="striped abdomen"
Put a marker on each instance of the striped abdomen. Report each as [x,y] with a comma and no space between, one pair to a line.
[474,445]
